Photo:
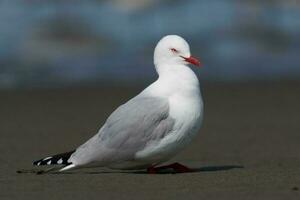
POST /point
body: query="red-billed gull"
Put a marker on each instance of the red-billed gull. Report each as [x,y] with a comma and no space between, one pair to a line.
[153,126]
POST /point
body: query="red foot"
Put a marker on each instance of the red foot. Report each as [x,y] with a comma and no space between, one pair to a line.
[178,168]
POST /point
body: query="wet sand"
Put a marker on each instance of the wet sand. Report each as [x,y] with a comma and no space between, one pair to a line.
[248,147]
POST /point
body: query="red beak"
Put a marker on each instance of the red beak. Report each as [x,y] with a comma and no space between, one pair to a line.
[192,60]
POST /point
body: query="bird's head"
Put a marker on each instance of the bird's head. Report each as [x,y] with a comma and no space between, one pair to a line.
[173,50]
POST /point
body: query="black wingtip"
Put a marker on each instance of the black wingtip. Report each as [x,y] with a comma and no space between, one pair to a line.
[59,159]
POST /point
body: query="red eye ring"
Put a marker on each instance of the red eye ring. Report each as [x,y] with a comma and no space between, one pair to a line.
[174,50]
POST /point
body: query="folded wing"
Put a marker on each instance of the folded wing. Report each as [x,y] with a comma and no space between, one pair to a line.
[129,129]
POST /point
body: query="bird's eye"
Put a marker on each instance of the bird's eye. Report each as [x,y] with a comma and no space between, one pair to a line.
[174,50]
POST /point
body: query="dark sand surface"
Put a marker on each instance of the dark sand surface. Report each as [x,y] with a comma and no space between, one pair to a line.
[254,126]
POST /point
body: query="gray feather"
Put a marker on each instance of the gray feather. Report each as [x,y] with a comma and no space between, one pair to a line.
[132,126]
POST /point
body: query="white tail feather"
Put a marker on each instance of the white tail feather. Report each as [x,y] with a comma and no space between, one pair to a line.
[71,166]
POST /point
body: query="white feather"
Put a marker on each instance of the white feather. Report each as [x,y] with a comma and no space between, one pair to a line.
[179,86]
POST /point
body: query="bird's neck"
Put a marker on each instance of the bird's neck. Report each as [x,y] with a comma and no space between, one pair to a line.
[178,75]
[174,80]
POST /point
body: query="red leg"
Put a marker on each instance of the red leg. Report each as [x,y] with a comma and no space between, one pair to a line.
[178,168]
[152,170]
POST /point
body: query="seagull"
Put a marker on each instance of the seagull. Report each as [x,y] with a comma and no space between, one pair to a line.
[153,126]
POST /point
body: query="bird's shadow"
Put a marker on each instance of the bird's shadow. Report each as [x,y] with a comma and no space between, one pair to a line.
[166,171]
[218,168]
[198,170]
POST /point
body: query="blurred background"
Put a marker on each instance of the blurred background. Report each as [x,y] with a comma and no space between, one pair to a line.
[66,65]
[58,43]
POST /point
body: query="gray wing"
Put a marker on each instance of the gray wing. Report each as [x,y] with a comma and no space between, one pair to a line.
[128,129]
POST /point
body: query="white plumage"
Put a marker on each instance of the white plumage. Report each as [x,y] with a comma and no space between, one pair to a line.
[153,126]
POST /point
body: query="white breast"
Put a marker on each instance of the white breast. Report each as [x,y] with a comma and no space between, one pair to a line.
[186,107]
[188,114]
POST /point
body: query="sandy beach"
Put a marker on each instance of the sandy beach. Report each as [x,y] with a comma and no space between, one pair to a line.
[248,147]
